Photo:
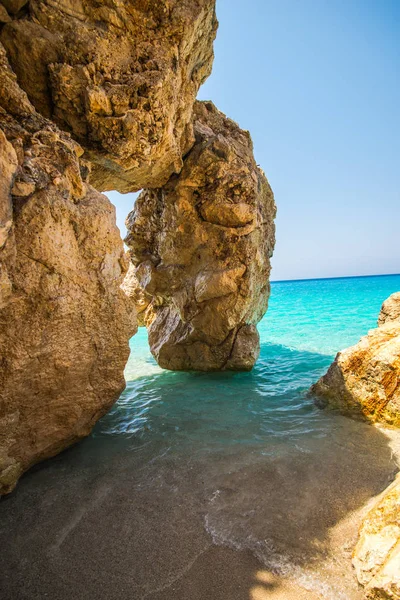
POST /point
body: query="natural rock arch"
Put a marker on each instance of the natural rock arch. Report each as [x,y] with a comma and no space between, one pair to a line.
[102,94]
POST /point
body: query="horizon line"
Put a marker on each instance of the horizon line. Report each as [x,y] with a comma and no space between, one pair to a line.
[336,277]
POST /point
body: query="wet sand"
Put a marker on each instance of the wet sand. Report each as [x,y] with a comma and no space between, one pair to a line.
[227,574]
[115,520]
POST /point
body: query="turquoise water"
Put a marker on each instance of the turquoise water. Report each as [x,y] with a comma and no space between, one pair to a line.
[306,324]
[273,473]
[191,473]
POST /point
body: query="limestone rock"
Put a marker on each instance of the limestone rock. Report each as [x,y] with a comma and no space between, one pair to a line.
[390,310]
[14,6]
[201,246]
[4,16]
[122,77]
[64,321]
[141,300]
[377,555]
[8,167]
[364,380]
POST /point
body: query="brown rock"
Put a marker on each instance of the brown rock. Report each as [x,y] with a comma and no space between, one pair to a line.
[140,299]
[376,557]
[4,16]
[8,167]
[30,48]
[364,380]
[202,246]
[64,321]
[122,77]
[390,310]
[13,100]
[14,6]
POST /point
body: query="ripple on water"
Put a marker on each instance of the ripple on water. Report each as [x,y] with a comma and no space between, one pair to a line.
[277,472]
[186,462]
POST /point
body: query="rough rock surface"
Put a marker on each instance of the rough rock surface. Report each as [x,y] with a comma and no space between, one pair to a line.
[121,76]
[104,92]
[364,380]
[64,321]
[141,300]
[202,246]
[13,6]
[390,310]
[377,555]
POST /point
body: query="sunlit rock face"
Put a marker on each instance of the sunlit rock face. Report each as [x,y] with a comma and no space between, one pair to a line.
[390,310]
[121,76]
[201,246]
[364,380]
[64,321]
[103,93]
[376,557]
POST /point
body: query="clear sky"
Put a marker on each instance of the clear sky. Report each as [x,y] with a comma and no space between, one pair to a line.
[317,83]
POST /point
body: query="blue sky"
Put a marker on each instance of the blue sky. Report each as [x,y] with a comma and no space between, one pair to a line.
[317,84]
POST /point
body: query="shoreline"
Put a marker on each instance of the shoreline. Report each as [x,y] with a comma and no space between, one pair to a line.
[114,521]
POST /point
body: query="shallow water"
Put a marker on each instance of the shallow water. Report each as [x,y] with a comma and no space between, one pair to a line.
[186,463]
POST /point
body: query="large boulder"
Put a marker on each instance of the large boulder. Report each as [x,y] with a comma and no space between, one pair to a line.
[364,380]
[13,6]
[121,76]
[376,557]
[201,246]
[64,321]
[390,310]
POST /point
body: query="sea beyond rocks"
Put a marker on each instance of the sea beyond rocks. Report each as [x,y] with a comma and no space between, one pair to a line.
[364,381]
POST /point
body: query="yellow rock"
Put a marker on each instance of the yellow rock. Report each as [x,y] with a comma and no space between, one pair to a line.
[364,380]
[377,555]
[201,246]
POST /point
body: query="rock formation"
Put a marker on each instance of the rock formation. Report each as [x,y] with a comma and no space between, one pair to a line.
[121,76]
[64,321]
[103,94]
[364,380]
[377,555]
[202,246]
[390,310]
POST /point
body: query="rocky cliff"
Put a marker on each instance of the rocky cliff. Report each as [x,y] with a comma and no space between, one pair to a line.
[364,380]
[390,310]
[98,96]
[121,76]
[377,555]
[202,246]
[64,321]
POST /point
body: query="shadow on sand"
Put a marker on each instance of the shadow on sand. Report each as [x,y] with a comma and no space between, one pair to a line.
[217,483]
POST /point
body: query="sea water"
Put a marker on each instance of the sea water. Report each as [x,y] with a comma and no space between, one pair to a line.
[264,452]
[189,461]
[307,323]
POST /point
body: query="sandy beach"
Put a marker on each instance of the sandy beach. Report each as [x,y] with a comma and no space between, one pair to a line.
[116,521]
